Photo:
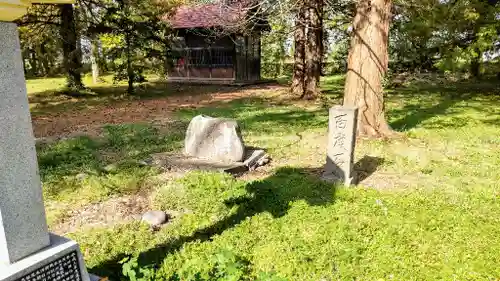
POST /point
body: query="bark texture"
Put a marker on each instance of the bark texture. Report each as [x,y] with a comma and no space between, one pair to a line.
[71,51]
[298,80]
[367,66]
[130,69]
[308,54]
[314,47]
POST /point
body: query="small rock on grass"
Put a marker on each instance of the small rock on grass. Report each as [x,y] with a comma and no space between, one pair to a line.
[111,168]
[142,163]
[155,218]
[81,176]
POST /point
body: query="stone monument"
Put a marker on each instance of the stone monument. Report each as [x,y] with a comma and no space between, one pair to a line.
[341,143]
[213,144]
[214,139]
[27,250]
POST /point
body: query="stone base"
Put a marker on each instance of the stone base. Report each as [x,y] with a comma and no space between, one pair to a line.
[331,178]
[254,158]
[182,163]
[62,260]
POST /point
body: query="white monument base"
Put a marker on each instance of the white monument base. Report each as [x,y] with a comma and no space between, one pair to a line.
[61,261]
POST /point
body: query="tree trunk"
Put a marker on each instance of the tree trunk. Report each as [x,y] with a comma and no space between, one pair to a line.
[51,63]
[475,66]
[103,64]
[94,59]
[130,70]
[44,60]
[367,65]
[298,85]
[33,62]
[25,58]
[313,49]
[71,52]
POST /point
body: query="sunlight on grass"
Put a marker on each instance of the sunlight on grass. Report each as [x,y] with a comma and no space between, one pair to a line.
[427,210]
[313,232]
[82,170]
[50,95]
[50,86]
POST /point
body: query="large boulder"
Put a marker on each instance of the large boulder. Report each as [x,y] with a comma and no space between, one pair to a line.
[214,139]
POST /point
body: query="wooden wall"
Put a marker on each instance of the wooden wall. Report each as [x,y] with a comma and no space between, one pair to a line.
[248,53]
[235,57]
[200,56]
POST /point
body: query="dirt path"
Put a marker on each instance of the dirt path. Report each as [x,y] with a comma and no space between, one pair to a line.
[89,121]
[113,211]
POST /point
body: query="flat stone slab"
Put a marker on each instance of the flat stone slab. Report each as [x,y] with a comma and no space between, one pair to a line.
[183,163]
[256,158]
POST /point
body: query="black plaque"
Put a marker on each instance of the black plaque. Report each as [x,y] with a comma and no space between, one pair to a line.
[65,268]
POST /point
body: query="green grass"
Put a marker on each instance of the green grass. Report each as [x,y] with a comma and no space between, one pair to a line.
[50,96]
[429,209]
[111,165]
[294,226]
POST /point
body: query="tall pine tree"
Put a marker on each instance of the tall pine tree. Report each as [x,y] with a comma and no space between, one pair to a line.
[135,32]
[72,55]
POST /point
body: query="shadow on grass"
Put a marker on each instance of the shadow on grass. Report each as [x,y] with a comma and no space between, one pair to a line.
[273,195]
[257,115]
[333,88]
[433,101]
[365,167]
[124,146]
[67,157]
[50,101]
[427,99]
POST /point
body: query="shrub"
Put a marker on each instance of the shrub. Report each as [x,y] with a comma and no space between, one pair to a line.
[223,266]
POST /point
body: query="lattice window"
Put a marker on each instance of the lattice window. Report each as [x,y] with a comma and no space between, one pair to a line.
[222,57]
[178,57]
[199,57]
[214,57]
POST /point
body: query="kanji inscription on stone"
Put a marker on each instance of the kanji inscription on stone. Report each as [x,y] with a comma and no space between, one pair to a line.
[65,268]
[341,143]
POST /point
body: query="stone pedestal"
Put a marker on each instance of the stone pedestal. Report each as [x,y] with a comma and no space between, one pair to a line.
[62,260]
[341,143]
[26,247]
[23,227]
